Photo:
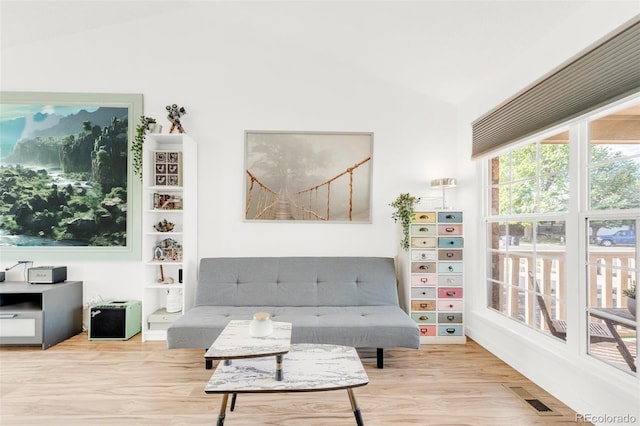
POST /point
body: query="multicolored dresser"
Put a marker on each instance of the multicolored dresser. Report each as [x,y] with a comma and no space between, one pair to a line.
[436,256]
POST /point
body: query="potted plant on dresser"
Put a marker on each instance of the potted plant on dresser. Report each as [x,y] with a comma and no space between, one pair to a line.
[631,299]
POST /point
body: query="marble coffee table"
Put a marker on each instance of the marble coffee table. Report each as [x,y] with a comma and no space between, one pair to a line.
[309,368]
[235,342]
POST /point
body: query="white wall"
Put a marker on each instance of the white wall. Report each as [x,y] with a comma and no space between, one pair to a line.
[235,70]
[584,384]
[231,73]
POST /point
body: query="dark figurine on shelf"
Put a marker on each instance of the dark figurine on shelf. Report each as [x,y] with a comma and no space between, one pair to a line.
[175,112]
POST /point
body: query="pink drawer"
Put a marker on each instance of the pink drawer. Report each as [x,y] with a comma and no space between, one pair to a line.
[450,292]
[450,305]
[428,330]
[450,229]
[424,279]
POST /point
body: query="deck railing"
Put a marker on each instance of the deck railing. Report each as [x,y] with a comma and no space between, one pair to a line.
[606,283]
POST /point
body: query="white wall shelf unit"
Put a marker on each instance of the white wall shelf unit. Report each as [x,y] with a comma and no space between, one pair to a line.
[170,258]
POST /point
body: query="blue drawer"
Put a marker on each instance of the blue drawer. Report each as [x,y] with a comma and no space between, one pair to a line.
[450,217]
[450,242]
[449,330]
[450,267]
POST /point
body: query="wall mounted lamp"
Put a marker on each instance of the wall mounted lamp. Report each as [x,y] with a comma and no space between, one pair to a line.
[443,183]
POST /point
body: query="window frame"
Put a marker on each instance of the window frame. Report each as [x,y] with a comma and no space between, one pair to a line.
[576,248]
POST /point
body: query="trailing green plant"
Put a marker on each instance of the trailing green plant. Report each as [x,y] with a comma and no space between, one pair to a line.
[403,206]
[136,147]
[631,291]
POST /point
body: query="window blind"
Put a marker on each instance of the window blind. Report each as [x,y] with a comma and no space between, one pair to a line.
[605,73]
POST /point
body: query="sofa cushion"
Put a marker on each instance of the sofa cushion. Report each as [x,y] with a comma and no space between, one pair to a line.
[297,281]
[358,326]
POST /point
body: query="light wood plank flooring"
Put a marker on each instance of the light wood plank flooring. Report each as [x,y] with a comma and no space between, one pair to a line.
[82,382]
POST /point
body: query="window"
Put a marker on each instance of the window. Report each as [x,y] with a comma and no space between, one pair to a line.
[612,254]
[529,195]
[531,203]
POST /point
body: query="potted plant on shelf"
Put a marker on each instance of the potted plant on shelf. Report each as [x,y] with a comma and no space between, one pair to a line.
[631,299]
[403,206]
[142,128]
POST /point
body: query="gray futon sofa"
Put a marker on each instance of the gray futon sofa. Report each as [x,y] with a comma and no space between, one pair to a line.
[351,301]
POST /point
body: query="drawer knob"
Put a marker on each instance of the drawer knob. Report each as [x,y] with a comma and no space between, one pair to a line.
[423,318]
[423,280]
[451,330]
[451,293]
[449,254]
[423,229]
[450,317]
[449,216]
[449,229]
[424,305]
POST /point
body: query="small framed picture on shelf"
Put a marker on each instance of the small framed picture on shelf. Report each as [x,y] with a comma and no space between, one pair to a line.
[167,201]
[167,168]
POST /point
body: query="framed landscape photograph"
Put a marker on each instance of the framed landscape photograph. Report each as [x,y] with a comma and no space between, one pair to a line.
[308,176]
[67,189]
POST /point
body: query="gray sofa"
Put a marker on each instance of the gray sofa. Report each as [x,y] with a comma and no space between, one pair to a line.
[351,301]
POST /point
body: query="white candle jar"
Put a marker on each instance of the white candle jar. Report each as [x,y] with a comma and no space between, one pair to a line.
[261,325]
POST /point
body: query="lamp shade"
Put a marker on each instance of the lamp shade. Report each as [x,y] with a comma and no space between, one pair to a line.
[443,183]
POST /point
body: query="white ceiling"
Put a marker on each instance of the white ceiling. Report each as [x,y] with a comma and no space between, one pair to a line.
[445,49]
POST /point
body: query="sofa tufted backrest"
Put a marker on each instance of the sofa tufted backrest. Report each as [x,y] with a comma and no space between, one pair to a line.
[297,281]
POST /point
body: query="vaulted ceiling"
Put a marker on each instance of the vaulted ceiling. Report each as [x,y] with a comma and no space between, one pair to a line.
[446,49]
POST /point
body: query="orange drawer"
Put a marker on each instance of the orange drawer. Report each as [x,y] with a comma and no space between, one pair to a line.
[423,305]
[428,330]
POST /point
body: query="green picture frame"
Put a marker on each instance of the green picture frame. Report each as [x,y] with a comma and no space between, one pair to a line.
[67,186]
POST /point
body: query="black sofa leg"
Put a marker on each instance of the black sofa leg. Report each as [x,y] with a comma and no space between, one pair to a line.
[208,363]
[380,358]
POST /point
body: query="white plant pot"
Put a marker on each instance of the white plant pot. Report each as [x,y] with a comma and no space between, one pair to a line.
[631,305]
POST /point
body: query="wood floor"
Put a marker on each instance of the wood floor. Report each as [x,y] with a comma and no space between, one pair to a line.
[81,382]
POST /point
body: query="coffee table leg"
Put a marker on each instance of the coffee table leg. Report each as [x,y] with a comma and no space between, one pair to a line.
[223,410]
[279,373]
[355,408]
[233,401]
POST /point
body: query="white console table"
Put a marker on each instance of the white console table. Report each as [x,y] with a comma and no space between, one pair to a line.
[39,314]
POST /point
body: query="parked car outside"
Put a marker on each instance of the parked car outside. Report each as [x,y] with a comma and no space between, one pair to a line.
[625,237]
